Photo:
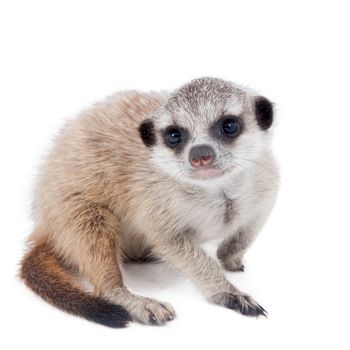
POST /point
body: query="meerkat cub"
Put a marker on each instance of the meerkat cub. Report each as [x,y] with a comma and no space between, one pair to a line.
[152,175]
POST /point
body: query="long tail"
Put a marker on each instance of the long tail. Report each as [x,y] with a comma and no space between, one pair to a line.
[42,271]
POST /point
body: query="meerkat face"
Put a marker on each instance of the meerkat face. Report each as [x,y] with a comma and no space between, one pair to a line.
[208,130]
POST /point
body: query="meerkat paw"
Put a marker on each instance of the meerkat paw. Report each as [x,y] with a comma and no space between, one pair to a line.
[152,312]
[233,265]
[242,303]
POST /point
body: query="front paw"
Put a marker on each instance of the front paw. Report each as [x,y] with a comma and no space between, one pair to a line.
[239,302]
[233,265]
[152,312]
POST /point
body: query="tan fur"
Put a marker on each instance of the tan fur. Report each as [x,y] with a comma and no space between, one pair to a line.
[100,199]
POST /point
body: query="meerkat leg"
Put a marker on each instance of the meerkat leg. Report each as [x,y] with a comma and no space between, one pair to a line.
[205,272]
[232,249]
[99,258]
[141,309]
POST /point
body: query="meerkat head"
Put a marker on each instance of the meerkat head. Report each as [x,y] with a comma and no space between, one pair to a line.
[207,130]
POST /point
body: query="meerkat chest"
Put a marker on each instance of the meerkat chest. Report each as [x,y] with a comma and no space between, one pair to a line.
[212,216]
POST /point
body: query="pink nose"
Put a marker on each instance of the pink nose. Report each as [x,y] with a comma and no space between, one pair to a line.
[203,161]
[202,155]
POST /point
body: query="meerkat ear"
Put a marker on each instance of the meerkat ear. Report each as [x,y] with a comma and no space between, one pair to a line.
[263,112]
[147,133]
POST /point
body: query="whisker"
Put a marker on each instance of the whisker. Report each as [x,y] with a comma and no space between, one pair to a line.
[272,171]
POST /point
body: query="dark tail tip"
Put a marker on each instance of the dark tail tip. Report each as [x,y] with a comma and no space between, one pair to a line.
[106,313]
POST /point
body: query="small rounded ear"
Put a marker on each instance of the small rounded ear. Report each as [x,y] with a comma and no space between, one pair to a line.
[263,112]
[147,133]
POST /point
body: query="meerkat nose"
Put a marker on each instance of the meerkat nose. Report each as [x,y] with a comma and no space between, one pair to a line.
[202,155]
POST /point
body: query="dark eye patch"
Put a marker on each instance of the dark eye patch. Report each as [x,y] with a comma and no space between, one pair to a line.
[227,128]
[175,137]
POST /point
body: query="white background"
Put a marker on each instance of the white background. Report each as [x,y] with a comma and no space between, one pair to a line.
[58,57]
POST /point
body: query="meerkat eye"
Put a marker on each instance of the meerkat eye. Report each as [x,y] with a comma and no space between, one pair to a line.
[230,127]
[173,137]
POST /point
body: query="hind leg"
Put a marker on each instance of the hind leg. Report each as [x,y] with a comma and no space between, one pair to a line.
[98,258]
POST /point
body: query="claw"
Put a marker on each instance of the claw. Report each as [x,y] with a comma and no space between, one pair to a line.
[263,311]
[152,318]
[242,303]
